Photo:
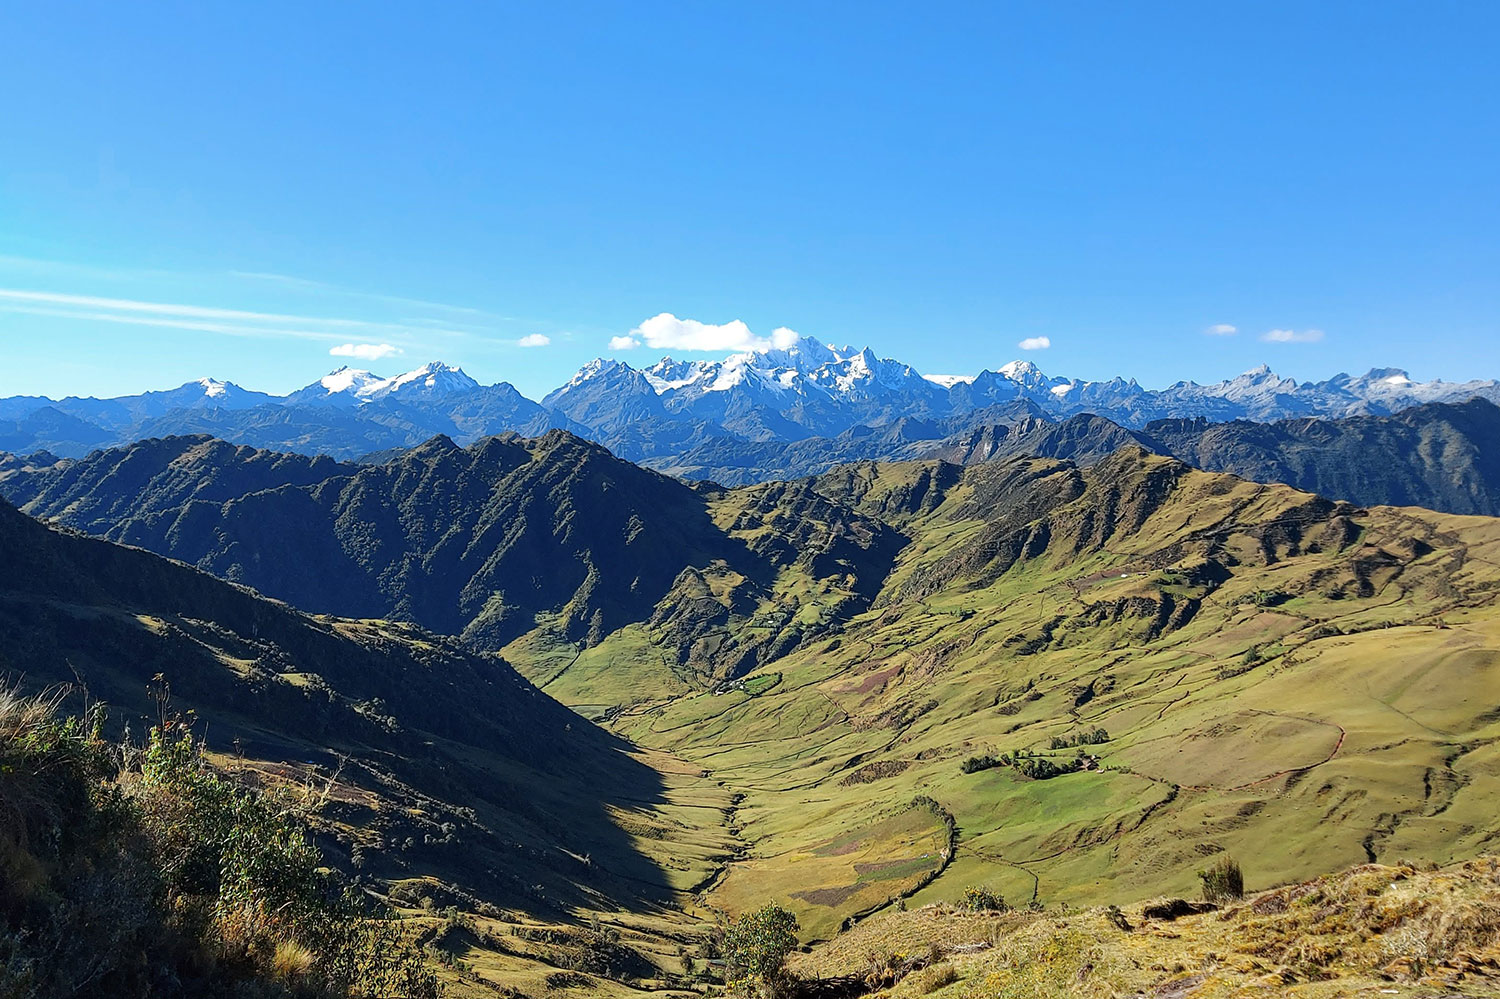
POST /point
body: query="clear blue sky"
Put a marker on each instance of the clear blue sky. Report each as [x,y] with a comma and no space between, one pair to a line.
[938,181]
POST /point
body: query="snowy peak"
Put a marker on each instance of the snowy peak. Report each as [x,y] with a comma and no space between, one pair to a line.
[668,375]
[599,367]
[204,393]
[1029,377]
[805,354]
[348,386]
[433,380]
[347,379]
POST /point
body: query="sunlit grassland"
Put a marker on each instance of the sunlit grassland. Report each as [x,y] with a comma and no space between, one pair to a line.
[1350,714]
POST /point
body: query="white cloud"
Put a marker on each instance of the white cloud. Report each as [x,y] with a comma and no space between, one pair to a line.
[1035,343]
[364,351]
[667,332]
[623,343]
[1221,329]
[782,338]
[1292,336]
[534,340]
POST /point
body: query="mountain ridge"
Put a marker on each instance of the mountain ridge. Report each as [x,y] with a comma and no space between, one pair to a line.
[798,390]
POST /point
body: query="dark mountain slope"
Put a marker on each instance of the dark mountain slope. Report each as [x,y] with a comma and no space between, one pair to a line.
[1080,439]
[488,542]
[443,747]
[110,487]
[1443,456]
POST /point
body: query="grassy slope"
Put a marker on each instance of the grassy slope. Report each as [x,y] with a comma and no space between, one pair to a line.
[1302,734]
[1369,931]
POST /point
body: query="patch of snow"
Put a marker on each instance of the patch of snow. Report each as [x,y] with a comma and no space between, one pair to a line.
[948,381]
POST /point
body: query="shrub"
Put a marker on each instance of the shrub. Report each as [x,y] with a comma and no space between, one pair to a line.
[1222,882]
[978,898]
[756,946]
[1089,737]
[974,764]
[123,874]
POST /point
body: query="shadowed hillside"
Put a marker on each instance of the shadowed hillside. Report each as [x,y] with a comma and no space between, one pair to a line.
[449,767]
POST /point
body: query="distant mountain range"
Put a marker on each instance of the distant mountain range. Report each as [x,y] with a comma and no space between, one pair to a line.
[748,412]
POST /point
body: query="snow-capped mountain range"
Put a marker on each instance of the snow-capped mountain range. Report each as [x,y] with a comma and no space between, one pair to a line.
[800,391]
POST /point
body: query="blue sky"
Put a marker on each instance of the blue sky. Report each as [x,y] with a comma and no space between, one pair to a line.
[236,189]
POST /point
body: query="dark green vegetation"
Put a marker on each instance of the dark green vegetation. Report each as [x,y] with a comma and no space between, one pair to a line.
[1223,881]
[139,871]
[756,946]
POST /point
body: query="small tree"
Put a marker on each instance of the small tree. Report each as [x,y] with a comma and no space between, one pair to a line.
[1223,882]
[756,946]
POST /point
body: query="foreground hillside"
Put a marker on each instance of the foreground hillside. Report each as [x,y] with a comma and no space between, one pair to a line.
[1369,931]
[136,870]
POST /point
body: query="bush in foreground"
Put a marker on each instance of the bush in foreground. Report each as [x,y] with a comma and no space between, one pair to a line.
[755,950]
[144,872]
[978,898]
[1223,881]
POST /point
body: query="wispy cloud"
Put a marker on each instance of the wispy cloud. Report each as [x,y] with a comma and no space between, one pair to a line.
[1035,343]
[170,322]
[206,319]
[397,319]
[1221,329]
[666,331]
[162,308]
[1292,336]
[534,340]
[308,284]
[365,351]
